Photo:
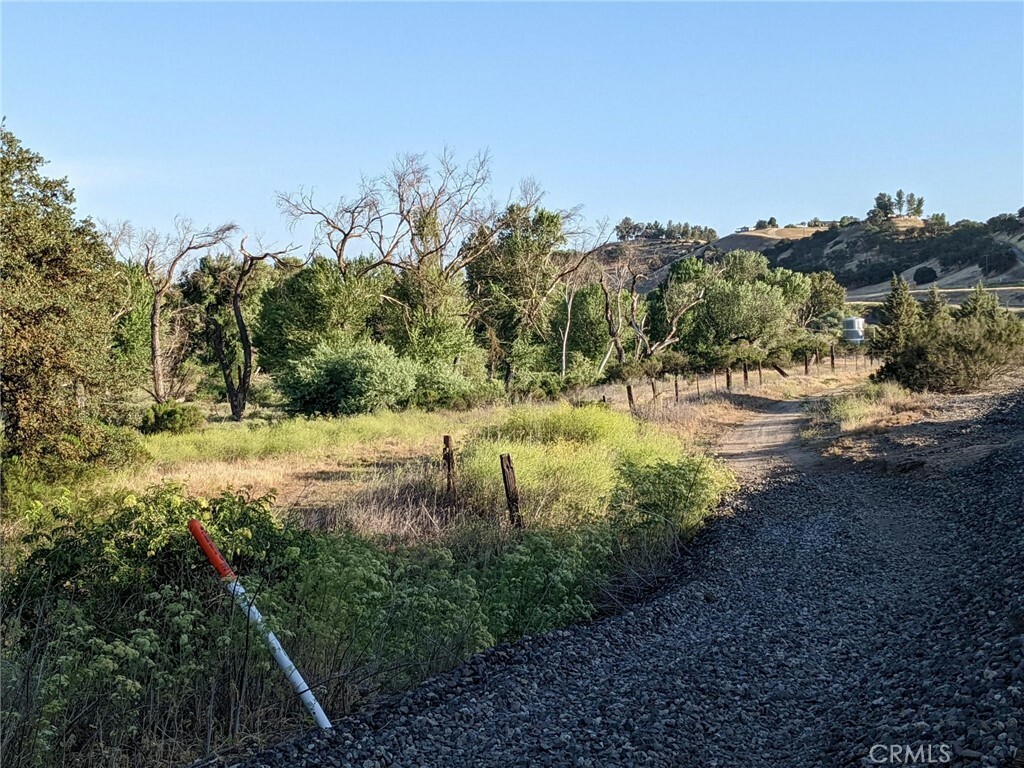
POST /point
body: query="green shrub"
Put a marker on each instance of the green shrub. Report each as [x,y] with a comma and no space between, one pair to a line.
[925,275]
[442,386]
[962,354]
[172,416]
[346,380]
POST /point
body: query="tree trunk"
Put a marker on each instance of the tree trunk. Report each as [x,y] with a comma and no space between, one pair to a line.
[565,334]
[239,402]
[760,376]
[728,379]
[832,355]
[746,376]
[156,357]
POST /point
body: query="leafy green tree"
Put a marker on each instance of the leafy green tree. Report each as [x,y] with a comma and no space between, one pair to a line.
[61,293]
[937,223]
[318,304]
[918,207]
[911,204]
[511,283]
[825,296]
[883,210]
[900,201]
[131,341]
[773,223]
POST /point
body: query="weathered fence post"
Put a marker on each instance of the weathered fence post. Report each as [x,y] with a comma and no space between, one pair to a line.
[746,375]
[677,387]
[508,475]
[728,379]
[760,376]
[448,459]
[807,364]
[832,355]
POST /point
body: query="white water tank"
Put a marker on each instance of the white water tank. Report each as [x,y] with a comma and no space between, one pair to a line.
[853,329]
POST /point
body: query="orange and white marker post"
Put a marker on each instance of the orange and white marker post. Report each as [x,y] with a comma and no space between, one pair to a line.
[248,607]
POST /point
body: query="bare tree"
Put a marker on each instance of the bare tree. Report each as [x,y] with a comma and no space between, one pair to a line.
[411,217]
[160,257]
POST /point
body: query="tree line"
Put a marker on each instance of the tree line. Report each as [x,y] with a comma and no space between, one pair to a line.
[418,291]
[627,229]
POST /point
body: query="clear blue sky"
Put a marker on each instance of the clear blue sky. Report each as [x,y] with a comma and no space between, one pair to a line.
[716,114]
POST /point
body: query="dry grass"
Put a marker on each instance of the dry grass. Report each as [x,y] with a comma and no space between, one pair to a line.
[381,473]
[869,409]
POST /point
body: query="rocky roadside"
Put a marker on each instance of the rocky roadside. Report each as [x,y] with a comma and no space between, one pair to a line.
[827,618]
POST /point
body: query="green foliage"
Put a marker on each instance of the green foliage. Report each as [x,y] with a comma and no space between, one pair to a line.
[351,379]
[442,385]
[60,291]
[925,275]
[316,305]
[958,352]
[172,416]
[118,641]
[900,317]
[510,281]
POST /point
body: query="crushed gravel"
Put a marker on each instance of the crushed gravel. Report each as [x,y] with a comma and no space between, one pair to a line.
[826,618]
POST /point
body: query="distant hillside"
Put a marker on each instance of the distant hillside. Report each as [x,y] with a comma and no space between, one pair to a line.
[654,257]
[863,256]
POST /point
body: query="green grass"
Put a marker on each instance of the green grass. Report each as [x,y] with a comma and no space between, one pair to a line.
[230,441]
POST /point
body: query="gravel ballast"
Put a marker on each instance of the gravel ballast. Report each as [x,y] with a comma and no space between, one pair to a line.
[829,616]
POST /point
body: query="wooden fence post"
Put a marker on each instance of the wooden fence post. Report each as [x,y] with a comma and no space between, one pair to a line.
[746,376]
[728,378]
[760,376]
[832,355]
[508,475]
[677,387]
[807,364]
[448,459]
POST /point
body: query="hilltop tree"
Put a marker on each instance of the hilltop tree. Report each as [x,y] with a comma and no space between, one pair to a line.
[884,208]
[61,295]
[911,204]
[773,223]
[900,201]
